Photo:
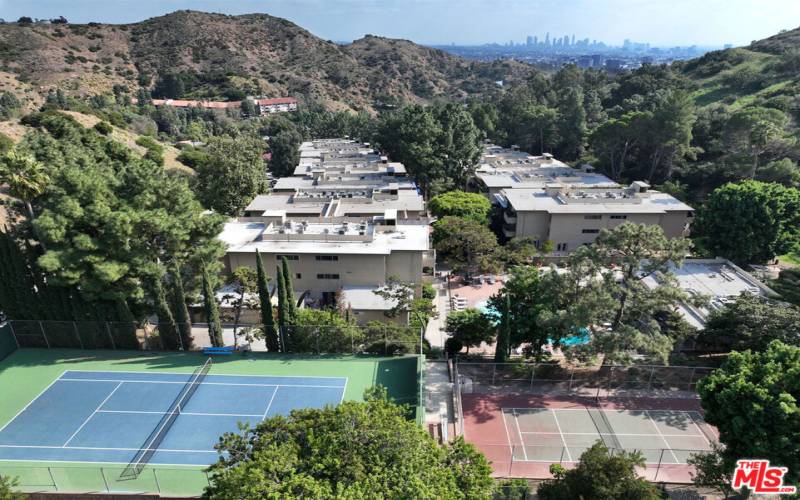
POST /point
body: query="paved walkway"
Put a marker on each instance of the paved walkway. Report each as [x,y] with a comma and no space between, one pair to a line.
[439,390]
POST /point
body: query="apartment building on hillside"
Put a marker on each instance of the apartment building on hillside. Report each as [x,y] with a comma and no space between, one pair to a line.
[569,216]
[502,169]
[340,202]
[330,258]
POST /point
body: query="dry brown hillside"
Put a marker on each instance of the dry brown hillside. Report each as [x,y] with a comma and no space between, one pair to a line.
[254,53]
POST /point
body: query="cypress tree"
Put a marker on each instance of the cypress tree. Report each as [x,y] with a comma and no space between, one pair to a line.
[291,305]
[167,328]
[282,319]
[212,312]
[267,321]
[504,333]
[182,318]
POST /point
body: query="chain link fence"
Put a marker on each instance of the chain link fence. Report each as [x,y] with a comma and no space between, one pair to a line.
[554,378]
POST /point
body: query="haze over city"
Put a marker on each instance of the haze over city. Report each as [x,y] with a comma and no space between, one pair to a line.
[469,22]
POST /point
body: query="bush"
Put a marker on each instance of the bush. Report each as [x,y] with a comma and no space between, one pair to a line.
[453,346]
[103,128]
[428,291]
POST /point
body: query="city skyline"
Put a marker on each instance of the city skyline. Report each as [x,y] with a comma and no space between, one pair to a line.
[477,22]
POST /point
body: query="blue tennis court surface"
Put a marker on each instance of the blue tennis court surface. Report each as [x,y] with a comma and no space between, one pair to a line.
[87,416]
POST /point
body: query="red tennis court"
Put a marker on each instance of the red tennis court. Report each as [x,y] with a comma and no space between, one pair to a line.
[523,434]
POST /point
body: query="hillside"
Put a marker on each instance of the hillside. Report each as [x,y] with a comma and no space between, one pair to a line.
[765,71]
[227,56]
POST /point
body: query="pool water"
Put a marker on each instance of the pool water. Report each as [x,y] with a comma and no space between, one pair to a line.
[581,339]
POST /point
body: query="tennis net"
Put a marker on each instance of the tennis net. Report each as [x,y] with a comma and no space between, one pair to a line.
[153,441]
[604,429]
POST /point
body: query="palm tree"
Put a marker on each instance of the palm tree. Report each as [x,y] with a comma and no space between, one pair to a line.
[26,178]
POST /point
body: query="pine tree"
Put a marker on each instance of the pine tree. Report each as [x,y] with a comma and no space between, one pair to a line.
[291,305]
[212,312]
[267,321]
[168,330]
[503,334]
[182,318]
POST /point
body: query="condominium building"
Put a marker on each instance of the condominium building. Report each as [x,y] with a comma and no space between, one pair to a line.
[332,258]
[320,201]
[569,216]
[503,169]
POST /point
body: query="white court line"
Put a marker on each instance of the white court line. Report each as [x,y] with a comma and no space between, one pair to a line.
[522,441]
[269,405]
[147,372]
[699,429]
[606,434]
[182,413]
[663,438]
[92,415]
[187,466]
[201,383]
[344,390]
[30,403]
[563,441]
[98,448]
[508,436]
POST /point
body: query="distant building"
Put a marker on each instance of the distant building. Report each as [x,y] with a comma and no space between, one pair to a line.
[276,105]
[264,106]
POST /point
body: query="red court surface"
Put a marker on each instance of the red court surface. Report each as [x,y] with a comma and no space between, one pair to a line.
[523,434]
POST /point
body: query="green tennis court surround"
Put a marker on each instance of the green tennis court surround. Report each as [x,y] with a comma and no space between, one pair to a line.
[105,405]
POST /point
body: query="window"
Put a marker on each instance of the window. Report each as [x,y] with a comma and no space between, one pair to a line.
[593,217]
[330,258]
[561,247]
[590,231]
[298,276]
[328,276]
[619,216]
[287,257]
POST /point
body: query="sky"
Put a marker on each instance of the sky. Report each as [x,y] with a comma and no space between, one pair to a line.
[466,22]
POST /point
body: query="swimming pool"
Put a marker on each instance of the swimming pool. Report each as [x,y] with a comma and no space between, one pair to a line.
[581,339]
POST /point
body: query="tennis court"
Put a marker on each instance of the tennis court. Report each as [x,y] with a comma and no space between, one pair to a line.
[562,435]
[96,416]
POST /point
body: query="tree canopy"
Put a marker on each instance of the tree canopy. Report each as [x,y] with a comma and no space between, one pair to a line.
[472,206]
[354,450]
[470,327]
[753,401]
[750,222]
[466,245]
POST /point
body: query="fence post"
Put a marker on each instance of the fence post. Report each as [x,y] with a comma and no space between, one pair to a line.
[111,337]
[105,481]
[658,467]
[691,377]
[650,381]
[13,333]
[385,342]
[352,341]
[317,342]
[533,375]
[494,371]
[75,328]
[52,478]
[158,485]
[41,327]
[571,374]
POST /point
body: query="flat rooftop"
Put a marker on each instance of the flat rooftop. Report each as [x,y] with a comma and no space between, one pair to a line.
[717,279]
[317,238]
[592,201]
[344,182]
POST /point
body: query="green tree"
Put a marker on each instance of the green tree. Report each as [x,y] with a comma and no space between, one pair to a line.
[712,470]
[668,134]
[212,312]
[471,206]
[470,327]
[754,131]
[285,149]
[7,492]
[243,280]
[458,146]
[169,86]
[752,323]
[467,246]
[613,271]
[360,450]
[181,311]
[283,319]
[27,178]
[291,304]
[167,329]
[265,300]
[752,399]
[600,474]
[572,125]
[233,175]
[750,222]
[410,137]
